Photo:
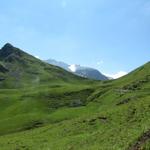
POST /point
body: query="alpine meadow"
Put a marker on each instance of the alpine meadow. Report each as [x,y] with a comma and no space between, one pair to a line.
[75,75]
[45,107]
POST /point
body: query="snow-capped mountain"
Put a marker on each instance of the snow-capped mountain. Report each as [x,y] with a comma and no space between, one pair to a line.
[86,72]
[74,67]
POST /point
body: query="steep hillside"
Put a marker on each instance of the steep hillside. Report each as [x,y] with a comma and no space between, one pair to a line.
[136,75]
[31,90]
[108,115]
[18,69]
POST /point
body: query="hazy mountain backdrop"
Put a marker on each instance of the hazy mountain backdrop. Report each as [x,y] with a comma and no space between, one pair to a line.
[85,72]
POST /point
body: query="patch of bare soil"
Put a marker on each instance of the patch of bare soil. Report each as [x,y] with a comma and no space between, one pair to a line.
[140,141]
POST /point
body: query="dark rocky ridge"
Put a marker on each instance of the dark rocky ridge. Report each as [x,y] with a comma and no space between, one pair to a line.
[8,50]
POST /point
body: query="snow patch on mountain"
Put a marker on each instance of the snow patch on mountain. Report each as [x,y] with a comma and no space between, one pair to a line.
[74,67]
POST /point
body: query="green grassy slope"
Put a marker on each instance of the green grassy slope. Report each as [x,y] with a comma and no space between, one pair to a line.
[19,69]
[28,108]
[31,90]
[78,115]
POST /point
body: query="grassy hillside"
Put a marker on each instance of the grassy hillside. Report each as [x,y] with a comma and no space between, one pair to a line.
[19,69]
[31,90]
[76,114]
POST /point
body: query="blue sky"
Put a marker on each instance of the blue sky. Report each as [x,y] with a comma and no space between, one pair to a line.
[110,35]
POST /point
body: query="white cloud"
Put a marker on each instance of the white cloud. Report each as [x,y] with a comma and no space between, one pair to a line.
[37,57]
[117,75]
[100,62]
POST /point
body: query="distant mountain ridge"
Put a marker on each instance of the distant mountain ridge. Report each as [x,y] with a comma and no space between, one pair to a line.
[85,72]
[58,63]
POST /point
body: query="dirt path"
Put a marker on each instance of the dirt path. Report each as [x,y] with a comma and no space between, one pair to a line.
[141,141]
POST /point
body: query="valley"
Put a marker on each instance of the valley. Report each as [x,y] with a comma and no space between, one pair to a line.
[43,107]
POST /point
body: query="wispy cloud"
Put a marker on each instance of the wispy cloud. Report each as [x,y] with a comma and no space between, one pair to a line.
[37,57]
[117,75]
[100,62]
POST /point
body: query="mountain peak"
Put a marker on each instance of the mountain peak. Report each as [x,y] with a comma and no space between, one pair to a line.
[8,50]
[7,45]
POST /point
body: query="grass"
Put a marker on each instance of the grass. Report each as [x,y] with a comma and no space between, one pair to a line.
[84,129]
[65,112]
[101,124]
